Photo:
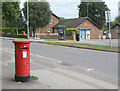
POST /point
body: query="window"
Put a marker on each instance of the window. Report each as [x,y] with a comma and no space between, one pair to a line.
[48,30]
[117,31]
[55,31]
[51,21]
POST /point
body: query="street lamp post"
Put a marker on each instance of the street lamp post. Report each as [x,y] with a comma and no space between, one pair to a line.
[27,20]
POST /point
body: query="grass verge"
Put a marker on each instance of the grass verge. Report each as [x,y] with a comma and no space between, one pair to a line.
[84,45]
[34,78]
[57,40]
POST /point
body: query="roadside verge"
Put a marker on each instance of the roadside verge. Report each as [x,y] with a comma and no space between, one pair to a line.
[84,46]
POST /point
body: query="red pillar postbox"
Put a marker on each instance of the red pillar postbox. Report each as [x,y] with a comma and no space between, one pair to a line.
[22,60]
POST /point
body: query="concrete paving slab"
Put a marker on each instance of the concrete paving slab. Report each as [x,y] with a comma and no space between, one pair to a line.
[56,81]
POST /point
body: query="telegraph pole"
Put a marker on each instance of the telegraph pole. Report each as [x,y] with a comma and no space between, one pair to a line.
[87,8]
[108,17]
[27,20]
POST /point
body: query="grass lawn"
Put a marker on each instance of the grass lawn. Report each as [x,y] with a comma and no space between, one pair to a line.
[57,40]
[84,45]
[15,38]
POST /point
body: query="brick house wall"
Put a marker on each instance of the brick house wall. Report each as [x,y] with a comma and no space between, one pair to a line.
[54,19]
[115,32]
[94,32]
[107,34]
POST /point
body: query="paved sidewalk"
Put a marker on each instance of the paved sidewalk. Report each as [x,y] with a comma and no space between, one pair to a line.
[8,68]
[115,42]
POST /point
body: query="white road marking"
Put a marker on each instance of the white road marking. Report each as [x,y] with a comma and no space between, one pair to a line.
[46,58]
[59,61]
[90,69]
[6,64]
[53,59]
[9,50]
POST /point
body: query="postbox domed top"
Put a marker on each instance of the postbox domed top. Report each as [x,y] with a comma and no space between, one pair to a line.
[22,41]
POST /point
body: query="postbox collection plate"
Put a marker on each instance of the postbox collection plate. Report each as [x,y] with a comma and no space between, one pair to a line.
[24,54]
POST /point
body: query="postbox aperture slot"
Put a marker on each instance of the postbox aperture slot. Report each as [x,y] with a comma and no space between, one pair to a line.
[24,48]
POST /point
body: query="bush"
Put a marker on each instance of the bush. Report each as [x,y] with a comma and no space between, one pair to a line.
[8,31]
[69,31]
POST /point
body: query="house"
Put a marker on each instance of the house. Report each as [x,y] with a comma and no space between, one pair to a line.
[48,28]
[87,28]
[115,31]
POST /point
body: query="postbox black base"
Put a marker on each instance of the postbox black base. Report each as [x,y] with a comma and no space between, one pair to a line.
[22,78]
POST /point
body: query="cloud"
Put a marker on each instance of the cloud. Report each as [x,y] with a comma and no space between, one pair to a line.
[65,9]
[113,6]
[68,8]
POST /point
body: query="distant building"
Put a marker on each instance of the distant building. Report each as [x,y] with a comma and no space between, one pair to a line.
[48,28]
[119,8]
[87,28]
[115,31]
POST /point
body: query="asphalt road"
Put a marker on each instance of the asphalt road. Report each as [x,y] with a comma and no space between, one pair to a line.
[77,68]
[98,62]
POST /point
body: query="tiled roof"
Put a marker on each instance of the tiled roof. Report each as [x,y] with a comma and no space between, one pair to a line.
[116,25]
[55,15]
[73,23]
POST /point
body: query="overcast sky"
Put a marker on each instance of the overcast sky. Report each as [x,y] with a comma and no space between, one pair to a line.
[68,8]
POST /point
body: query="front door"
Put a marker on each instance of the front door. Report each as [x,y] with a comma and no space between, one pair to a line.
[87,34]
[81,34]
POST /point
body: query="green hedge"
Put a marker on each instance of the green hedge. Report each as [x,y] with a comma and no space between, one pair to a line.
[69,31]
[12,30]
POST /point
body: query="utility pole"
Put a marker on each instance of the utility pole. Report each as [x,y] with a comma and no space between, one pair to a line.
[87,8]
[108,18]
[27,20]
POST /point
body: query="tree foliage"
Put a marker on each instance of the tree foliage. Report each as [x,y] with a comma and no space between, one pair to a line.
[96,11]
[39,13]
[0,14]
[61,19]
[117,19]
[112,23]
[11,15]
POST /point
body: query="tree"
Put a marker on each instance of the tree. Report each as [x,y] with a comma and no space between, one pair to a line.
[112,23]
[12,16]
[9,13]
[0,14]
[39,14]
[61,19]
[117,19]
[96,11]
